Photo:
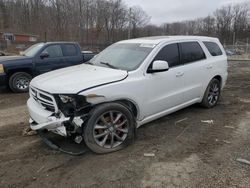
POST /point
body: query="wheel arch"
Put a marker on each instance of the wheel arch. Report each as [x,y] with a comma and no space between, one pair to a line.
[219,78]
[13,71]
[131,105]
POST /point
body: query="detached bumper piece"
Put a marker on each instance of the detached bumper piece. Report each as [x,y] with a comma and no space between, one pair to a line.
[62,144]
[54,125]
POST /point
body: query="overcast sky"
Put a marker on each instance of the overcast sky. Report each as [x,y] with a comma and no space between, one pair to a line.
[162,11]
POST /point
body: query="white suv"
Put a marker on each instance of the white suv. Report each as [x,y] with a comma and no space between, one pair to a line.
[130,83]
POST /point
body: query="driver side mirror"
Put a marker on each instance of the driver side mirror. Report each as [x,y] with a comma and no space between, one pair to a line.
[44,55]
[159,66]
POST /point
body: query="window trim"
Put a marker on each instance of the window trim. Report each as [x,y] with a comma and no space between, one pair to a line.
[193,41]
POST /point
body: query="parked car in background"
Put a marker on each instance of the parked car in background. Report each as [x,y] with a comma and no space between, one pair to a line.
[230,52]
[2,53]
[127,85]
[17,71]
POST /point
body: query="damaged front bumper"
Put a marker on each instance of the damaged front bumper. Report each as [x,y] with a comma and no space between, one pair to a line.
[46,123]
[54,125]
[42,119]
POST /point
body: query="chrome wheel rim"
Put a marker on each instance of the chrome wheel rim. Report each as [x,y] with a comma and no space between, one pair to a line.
[22,83]
[111,129]
[214,93]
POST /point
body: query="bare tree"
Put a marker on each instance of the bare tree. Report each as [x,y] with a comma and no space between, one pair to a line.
[102,22]
[138,18]
[224,17]
[240,20]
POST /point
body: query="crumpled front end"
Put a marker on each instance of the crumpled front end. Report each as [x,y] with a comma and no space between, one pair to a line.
[47,113]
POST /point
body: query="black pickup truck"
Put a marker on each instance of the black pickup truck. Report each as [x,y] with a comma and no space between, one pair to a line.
[17,71]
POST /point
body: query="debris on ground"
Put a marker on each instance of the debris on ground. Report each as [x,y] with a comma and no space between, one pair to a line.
[182,132]
[229,127]
[244,100]
[34,178]
[211,122]
[244,161]
[149,155]
[181,120]
[29,132]
[40,169]
[226,142]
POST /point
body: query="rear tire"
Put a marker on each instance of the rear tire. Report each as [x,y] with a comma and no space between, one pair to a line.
[19,82]
[111,127]
[212,94]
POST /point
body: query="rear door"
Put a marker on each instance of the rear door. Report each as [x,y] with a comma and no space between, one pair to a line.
[194,63]
[54,61]
[72,54]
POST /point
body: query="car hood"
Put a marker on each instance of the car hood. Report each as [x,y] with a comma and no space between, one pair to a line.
[9,59]
[74,79]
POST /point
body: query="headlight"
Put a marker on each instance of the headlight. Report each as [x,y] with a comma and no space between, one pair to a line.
[1,68]
[69,104]
[66,99]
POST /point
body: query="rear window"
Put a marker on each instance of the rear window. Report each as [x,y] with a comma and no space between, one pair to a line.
[191,52]
[213,48]
[69,50]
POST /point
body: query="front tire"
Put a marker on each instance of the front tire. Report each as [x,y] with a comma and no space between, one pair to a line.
[212,94]
[19,82]
[111,127]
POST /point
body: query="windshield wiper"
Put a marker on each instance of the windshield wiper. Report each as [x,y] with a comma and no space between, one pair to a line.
[109,65]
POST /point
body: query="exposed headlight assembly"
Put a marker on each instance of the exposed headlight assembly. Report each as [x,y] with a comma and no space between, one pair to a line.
[69,104]
[66,99]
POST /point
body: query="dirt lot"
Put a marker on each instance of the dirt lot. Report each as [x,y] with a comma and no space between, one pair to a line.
[188,153]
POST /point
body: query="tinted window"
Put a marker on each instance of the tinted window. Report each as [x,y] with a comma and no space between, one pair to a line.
[169,53]
[69,50]
[213,48]
[191,52]
[54,51]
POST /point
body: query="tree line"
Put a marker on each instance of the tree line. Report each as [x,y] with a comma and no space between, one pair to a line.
[102,22]
[230,24]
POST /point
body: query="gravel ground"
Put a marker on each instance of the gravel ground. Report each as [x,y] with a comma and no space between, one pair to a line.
[188,152]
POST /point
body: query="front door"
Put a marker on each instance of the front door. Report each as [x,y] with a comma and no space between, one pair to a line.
[165,89]
[55,59]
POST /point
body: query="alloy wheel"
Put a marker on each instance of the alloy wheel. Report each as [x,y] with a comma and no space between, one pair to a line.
[111,129]
[214,92]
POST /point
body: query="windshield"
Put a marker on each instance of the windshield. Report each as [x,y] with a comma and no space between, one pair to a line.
[124,56]
[32,51]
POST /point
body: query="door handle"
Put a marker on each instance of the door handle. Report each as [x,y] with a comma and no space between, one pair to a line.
[179,74]
[209,66]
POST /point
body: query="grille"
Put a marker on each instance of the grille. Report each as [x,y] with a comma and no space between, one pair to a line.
[45,100]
